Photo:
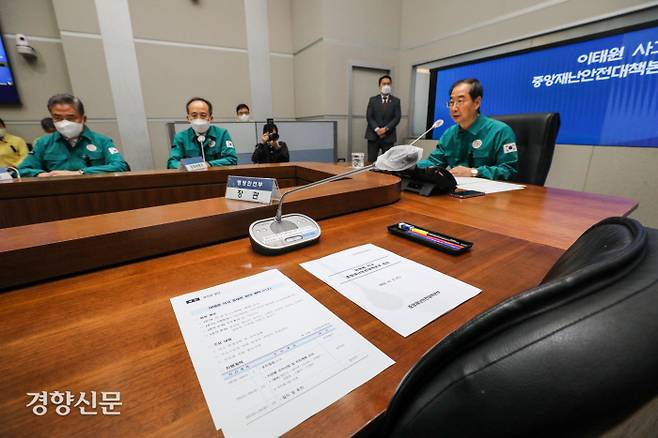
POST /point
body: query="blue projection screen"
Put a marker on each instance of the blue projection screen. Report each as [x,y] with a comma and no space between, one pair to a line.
[605,89]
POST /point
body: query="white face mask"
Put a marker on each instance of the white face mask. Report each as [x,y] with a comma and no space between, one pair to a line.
[3,131]
[386,89]
[243,117]
[69,129]
[200,126]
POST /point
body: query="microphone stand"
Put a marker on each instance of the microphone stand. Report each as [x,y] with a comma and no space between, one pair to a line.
[279,209]
[280,234]
[434,125]
[201,138]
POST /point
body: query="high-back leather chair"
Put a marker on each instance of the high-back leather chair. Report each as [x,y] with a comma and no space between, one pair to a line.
[535,142]
[571,357]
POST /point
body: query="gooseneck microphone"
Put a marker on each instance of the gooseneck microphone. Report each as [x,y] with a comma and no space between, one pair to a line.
[279,209]
[201,138]
[291,231]
[437,124]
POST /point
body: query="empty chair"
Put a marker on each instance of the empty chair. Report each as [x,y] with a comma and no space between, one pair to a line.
[535,142]
[573,356]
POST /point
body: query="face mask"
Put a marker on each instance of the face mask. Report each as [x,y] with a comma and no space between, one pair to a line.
[243,117]
[200,125]
[3,131]
[386,89]
[69,129]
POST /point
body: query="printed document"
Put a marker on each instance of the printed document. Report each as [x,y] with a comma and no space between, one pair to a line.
[485,185]
[268,355]
[401,293]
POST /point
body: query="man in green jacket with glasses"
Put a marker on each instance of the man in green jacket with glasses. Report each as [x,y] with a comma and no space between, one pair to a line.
[476,145]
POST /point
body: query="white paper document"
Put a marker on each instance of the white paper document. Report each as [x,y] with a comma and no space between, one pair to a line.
[268,355]
[485,185]
[401,293]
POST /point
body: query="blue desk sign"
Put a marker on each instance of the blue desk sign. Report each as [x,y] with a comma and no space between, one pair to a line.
[194,164]
[252,189]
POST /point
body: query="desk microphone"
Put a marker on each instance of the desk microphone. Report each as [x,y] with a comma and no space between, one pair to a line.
[437,124]
[201,138]
[87,160]
[284,233]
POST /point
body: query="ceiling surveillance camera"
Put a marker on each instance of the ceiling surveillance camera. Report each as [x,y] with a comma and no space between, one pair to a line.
[24,48]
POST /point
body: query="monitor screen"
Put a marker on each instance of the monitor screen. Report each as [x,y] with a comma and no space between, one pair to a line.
[605,88]
[8,91]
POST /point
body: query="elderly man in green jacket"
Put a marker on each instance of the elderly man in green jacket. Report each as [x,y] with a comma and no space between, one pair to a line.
[73,149]
[476,145]
[212,143]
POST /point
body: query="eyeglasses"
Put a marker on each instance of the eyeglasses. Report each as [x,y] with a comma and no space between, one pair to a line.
[456,103]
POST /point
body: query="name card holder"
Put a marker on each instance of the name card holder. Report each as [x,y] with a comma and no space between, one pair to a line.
[252,189]
[194,164]
[5,176]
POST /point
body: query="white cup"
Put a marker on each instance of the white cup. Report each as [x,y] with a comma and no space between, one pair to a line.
[357,159]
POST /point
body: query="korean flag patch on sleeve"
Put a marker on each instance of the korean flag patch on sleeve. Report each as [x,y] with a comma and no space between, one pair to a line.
[112,150]
[509,147]
[229,144]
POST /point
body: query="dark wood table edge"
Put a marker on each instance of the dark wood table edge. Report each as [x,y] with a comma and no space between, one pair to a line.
[62,257]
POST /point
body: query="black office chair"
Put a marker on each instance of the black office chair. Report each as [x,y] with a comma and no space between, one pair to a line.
[535,142]
[573,356]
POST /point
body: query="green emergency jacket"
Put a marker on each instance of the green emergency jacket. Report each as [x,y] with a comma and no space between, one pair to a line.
[92,153]
[217,146]
[488,145]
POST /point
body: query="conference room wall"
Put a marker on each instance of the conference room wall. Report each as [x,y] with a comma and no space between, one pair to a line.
[280,26]
[202,47]
[322,82]
[166,33]
[87,69]
[213,23]
[310,74]
[281,58]
[206,56]
[84,55]
[336,36]
[307,23]
[35,80]
[186,49]
[33,17]
[432,30]
[171,75]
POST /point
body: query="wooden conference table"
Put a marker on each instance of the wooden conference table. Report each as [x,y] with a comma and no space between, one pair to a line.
[113,328]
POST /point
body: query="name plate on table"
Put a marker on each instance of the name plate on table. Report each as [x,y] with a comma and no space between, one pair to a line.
[5,176]
[194,164]
[252,189]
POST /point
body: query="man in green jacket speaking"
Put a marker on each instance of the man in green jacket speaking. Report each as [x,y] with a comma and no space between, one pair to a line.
[73,149]
[212,143]
[476,145]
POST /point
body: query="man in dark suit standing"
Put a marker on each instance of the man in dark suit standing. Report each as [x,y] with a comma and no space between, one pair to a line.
[383,116]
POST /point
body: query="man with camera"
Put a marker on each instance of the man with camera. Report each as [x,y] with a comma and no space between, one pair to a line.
[270,149]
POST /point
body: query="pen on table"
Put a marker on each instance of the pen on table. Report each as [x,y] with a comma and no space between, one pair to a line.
[409,227]
[431,236]
[442,242]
